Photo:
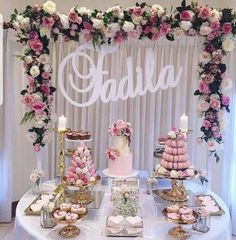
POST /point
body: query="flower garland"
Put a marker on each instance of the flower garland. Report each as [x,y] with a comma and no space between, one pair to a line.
[37,24]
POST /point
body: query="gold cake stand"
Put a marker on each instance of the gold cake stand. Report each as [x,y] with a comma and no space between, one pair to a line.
[178,232]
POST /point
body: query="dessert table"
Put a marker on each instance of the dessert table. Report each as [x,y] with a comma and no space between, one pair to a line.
[93,227]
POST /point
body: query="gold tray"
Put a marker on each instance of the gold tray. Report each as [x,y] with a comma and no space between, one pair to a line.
[221,210]
[179,222]
[82,198]
[28,210]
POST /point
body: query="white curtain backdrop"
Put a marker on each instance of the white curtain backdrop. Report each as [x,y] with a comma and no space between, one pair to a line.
[151,115]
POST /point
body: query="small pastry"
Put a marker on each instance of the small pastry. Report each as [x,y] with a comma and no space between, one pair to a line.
[71,216]
[116,219]
[173,216]
[114,230]
[134,220]
[76,208]
[172,209]
[35,207]
[187,218]
[134,231]
[47,197]
[65,207]
[41,202]
[209,203]
[59,215]
[185,210]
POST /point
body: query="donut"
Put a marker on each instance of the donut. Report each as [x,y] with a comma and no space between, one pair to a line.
[172,209]
[65,207]
[59,215]
[187,218]
[71,216]
[173,216]
[185,210]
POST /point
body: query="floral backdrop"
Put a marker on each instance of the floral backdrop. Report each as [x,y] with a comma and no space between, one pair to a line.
[37,25]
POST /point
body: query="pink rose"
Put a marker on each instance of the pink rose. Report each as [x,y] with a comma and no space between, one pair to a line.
[27,99]
[88,26]
[215,128]
[206,124]
[45,75]
[225,100]
[215,26]
[120,124]
[38,106]
[73,17]
[33,35]
[35,45]
[137,11]
[156,36]
[227,28]
[186,15]
[203,87]
[204,12]
[215,103]
[208,78]
[48,22]
[211,36]
[37,147]
[147,29]
[165,28]
[45,89]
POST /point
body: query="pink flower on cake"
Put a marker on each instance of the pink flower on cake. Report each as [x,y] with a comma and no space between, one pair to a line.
[227,27]
[48,22]
[215,103]
[35,45]
[38,106]
[112,153]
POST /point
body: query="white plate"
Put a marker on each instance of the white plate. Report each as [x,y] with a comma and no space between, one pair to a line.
[133,174]
[78,140]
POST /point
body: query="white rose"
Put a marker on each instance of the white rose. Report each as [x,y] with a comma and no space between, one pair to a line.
[178,33]
[185,25]
[64,20]
[49,7]
[33,177]
[215,15]
[16,25]
[137,19]
[97,24]
[84,170]
[172,134]
[203,105]
[144,21]
[226,84]
[228,44]
[114,27]
[34,71]
[32,136]
[25,23]
[44,32]
[47,68]
[39,124]
[19,18]
[84,11]
[204,57]
[28,59]
[158,9]
[205,30]
[128,26]
[44,58]
[212,145]
[174,174]
[121,15]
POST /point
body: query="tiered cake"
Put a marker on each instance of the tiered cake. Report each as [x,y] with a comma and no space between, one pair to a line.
[119,155]
[82,170]
[175,160]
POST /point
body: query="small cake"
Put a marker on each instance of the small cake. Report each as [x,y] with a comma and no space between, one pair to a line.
[185,211]
[84,135]
[59,215]
[76,208]
[172,209]
[71,216]
[78,135]
[173,216]
[188,218]
[120,159]
[65,207]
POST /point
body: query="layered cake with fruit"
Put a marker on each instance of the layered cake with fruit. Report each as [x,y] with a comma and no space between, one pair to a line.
[175,159]
[82,170]
[119,155]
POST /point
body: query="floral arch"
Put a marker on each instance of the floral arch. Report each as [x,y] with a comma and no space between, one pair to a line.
[37,25]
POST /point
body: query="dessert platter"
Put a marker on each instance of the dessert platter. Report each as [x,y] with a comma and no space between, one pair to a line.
[80,135]
[120,159]
[180,215]
[175,165]
[69,214]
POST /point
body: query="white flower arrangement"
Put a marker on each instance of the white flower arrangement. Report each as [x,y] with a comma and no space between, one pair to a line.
[36,176]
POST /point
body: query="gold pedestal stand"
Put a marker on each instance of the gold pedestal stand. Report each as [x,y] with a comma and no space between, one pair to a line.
[69,231]
[177,193]
[179,233]
[61,188]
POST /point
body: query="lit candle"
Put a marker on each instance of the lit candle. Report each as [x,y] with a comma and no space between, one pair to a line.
[62,123]
[184,123]
[1,59]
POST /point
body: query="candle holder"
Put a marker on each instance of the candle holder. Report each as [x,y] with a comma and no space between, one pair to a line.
[62,187]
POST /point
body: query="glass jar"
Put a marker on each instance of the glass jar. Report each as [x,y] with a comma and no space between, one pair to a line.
[46,219]
[203,222]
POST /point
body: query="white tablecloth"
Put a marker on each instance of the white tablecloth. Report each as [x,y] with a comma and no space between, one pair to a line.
[155,226]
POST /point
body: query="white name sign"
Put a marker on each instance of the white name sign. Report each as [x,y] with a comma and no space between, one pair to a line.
[111,89]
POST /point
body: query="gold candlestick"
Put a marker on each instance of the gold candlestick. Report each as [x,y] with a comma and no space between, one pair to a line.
[61,188]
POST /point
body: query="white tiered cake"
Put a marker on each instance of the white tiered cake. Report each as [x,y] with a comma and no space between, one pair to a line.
[119,155]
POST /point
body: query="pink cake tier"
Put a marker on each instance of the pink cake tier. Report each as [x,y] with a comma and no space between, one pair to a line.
[121,166]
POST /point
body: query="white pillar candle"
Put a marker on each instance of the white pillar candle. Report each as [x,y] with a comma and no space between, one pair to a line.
[184,123]
[62,123]
[1,59]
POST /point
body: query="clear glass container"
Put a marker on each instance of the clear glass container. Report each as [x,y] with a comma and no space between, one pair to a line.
[46,219]
[203,222]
